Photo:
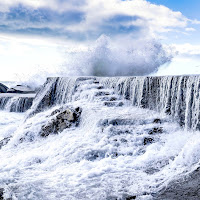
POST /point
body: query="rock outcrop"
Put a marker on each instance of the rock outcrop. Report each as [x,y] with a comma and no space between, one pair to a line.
[20,89]
[62,120]
[3,88]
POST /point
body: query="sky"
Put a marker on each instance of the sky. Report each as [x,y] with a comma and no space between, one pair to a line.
[45,38]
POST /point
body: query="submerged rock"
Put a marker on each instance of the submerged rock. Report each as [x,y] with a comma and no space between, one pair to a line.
[4,142]
[157,121]
[3,88]
[156,130]
[148,141]
[63,119]
[20,89]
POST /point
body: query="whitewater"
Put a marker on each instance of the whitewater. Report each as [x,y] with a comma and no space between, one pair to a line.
[136,135]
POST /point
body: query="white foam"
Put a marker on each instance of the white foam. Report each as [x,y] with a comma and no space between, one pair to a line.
[81,163]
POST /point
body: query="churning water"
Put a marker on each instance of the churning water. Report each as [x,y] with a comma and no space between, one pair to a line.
[117,150]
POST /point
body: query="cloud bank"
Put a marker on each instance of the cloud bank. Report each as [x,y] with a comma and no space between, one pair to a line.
[86,19]
[101,37]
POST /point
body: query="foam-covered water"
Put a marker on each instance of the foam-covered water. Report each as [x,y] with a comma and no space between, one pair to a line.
[107,157]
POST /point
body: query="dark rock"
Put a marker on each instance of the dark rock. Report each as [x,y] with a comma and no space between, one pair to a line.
[124,140]
[4,142]
[112,198]
[65,119]
[157,121]
[101,93]
[20,89]
[100,87]
[1,193]
[156,130]
[113,103]
[113,99]
[148,141]
[130,197]
[3,88]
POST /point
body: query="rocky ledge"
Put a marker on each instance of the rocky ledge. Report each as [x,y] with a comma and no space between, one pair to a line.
[61,120]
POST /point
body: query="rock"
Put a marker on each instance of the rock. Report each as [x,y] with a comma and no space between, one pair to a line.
[156,130]
[3,88]
[113,103]
[183,188]
[130,197]
[100,87]
[4,142]
[65,119]
[113,99]
[148,141]
[157,121]
[55,112]
[20,89]
[102,93]
[1,194]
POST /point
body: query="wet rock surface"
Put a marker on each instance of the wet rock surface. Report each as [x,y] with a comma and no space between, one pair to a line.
[62,119]
[155,130]
[1,194]
[22,89]
[148,141]
[4,142]
[184,188]
[3,88]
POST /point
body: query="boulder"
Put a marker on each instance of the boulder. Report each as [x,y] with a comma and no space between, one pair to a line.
[20,89]
[62,120]
[3,88]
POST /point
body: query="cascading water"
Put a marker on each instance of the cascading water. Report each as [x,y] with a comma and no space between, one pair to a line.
[122,149]
[177,96]
[16,102]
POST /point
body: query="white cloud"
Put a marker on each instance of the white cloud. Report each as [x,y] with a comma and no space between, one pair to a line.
[187,49]
[158,18]
[190,29]
[155,18]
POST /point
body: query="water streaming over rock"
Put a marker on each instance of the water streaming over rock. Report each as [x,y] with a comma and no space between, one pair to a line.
[16,102]
[177,96]
[122,148]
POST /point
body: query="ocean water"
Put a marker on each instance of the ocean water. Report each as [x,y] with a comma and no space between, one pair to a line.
[106,157]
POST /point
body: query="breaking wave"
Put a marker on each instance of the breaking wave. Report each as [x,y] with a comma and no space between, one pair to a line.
[118,58]
[107,57]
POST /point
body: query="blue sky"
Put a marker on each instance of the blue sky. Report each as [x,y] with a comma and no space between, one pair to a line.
[35,34]
[189,8]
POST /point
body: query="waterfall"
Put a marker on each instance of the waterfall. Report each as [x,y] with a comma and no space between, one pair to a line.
[16,102]
[177,96]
